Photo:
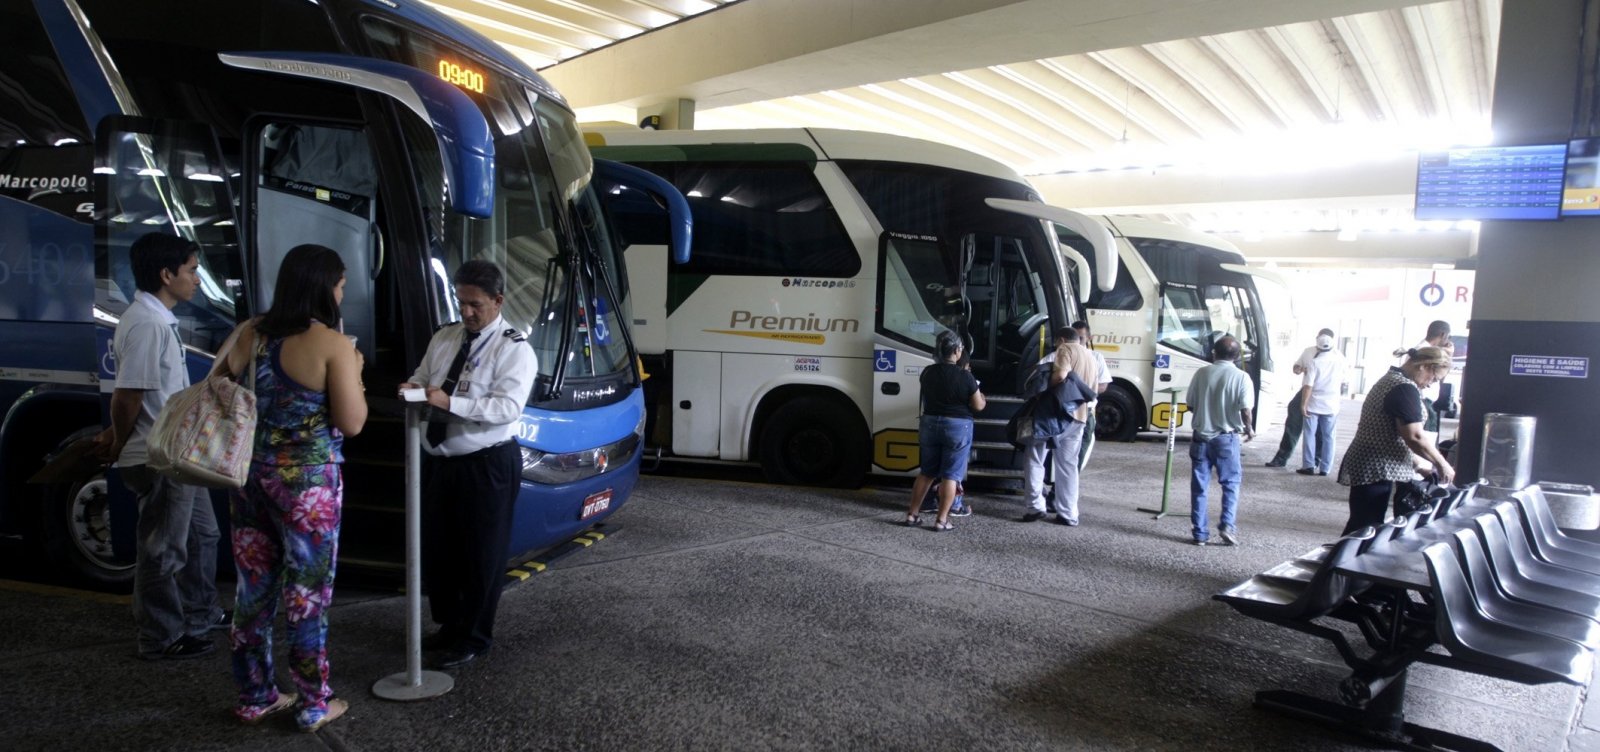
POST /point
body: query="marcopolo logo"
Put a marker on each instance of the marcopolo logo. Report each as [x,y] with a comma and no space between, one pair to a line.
[808,329]
[825,283]
[65,183]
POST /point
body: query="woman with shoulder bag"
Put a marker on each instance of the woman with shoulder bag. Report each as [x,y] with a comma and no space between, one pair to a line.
[285,519]
[1391,430]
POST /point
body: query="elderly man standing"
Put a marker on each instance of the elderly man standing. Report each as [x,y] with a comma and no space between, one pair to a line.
[1319,402]
[1219,401]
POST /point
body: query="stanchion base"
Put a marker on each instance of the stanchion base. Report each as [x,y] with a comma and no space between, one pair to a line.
[398,687]
[1159,513]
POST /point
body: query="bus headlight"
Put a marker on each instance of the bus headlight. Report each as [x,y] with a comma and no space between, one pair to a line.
[559,469]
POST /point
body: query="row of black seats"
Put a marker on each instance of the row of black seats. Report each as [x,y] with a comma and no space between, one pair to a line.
[1483,573]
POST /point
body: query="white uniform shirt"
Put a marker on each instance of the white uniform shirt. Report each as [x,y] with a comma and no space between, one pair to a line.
[149,357]
[492,390]
[1324,377]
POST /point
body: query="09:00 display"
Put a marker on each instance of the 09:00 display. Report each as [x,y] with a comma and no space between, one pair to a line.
[463,77]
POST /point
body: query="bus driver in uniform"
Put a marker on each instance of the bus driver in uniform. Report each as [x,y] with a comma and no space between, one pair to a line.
[480,371]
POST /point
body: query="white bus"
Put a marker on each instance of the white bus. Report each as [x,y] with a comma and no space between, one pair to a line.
[825,262]
[1177,291]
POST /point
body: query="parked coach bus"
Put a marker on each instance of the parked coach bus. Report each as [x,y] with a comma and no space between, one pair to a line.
[825,263]
[381,129]
[1176,292]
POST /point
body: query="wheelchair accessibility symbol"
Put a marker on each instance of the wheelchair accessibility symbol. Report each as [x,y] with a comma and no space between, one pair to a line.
[1163,361]
[883,361]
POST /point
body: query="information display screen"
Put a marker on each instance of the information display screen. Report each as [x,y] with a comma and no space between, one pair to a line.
[1582,195]
[1492,182]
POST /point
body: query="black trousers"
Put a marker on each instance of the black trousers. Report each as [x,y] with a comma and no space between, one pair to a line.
[467,503]
[1369,505]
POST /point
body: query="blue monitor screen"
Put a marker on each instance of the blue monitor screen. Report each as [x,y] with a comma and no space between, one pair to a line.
[1491,182]
[1582,197]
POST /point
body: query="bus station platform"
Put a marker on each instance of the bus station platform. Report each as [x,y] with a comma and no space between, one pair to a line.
[724,613]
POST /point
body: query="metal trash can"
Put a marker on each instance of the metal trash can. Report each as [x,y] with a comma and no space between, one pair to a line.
[1507,458]
[1575,507]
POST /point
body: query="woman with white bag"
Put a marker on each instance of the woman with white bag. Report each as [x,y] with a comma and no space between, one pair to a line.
[285,519]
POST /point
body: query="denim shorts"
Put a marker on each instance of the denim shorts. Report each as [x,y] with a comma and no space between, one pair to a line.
[946,444]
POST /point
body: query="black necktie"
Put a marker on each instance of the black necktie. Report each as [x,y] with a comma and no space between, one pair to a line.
[436,428]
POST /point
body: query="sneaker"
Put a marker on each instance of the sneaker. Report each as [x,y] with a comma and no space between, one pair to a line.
[1307,471]
[1323,473]
[1230,537]
[1199,541]
[1275,463]
[1032,517]
[960,510]
[1064,521]
[183,648]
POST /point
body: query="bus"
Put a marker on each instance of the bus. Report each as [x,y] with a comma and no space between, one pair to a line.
[382,129]
[1177,292]
[825,263]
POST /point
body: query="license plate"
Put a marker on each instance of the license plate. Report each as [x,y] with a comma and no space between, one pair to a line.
[597,503]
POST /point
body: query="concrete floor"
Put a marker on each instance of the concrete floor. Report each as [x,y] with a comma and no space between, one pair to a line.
[728,614]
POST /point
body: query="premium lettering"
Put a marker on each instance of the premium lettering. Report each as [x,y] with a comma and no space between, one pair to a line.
[806,323]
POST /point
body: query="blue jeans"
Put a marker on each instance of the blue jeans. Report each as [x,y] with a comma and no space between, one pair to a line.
[1223,453]
[175,569]
[1318,451]
[946,445]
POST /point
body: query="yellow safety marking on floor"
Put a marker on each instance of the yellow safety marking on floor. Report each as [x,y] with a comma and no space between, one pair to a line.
[595,536]
[585,542]
[535,566]
[517,573]
[86,595]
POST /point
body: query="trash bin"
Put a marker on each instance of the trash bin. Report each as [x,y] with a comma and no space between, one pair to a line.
[1507,458]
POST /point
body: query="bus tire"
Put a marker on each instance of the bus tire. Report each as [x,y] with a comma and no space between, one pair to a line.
[814,441]
[1117,416]
[76,529]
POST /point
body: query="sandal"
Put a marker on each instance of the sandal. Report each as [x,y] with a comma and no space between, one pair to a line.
[252,715]
[939,527]
[913,520]
[336,708]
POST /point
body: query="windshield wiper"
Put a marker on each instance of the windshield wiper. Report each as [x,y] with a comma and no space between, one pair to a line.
[591,256]
[558,377]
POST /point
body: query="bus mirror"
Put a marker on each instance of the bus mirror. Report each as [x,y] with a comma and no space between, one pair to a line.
[465,142]
[679,218]
[1085,272]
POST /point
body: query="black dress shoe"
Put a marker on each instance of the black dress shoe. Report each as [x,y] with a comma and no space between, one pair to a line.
[1307,471]
[458,657]
[1032,517]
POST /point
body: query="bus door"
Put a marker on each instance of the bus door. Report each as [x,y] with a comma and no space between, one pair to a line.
[312,183]
[917,297]
[1192,319]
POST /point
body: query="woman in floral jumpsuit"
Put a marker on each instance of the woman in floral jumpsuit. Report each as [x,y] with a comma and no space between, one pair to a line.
[286,517]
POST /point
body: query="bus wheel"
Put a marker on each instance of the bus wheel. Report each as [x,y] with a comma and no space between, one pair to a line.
[1116,419]
[815,442]
[77,532]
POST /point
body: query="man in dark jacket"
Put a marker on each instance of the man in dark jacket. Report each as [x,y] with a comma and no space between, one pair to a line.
[1059,416]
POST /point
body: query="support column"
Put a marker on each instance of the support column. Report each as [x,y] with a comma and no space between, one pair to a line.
[674,114]
[1536,284]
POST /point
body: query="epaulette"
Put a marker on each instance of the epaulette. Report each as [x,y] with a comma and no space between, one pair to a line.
[514,335]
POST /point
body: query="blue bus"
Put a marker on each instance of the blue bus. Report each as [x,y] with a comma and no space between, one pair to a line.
[376,127]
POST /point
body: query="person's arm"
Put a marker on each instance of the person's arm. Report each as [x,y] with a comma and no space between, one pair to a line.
[977,402]
[125,405]
[1417,442]
[425,367]
[504,394]
[347,399]
[1249,420]
[1305,400]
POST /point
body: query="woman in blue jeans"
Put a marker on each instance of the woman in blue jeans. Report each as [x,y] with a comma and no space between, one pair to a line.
[950,397]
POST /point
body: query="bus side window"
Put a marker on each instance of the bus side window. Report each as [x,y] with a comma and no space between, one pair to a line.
[165,176]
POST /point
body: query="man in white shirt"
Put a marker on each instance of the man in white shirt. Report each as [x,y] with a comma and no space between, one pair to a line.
[480,371]
[1294,419]
[175,559]
[1319,403]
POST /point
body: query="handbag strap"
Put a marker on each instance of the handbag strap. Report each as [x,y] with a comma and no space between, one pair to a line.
[252,366]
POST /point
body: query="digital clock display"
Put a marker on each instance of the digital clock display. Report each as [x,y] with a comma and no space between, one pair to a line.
[461,76]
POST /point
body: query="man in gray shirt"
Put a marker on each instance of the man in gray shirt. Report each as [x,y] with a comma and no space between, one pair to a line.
[1219,402]
[175,569]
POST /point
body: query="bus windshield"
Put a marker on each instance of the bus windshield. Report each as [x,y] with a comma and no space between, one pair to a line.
[546,230]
